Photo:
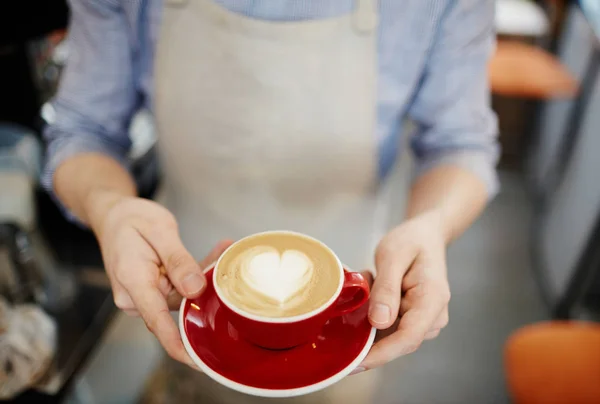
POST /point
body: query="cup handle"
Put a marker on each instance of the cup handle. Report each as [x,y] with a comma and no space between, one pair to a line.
[354,294]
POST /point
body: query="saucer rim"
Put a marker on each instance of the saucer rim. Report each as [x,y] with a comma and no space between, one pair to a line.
[262,392]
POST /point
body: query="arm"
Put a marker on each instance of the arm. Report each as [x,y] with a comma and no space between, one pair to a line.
[146,262]
[89,184]
[456,149]
[455,195]
[88,142]
[456,138]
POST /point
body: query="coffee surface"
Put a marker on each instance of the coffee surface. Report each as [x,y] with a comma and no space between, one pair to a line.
[278,275]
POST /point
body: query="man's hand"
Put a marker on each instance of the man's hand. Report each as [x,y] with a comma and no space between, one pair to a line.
[149,268]
[147,264]
[411,284]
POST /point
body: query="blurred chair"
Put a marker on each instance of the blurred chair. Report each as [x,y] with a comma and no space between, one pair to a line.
[523,72]
[554,362]
[518,69]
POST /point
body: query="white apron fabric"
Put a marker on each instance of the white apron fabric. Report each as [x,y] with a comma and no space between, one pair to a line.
[271,125]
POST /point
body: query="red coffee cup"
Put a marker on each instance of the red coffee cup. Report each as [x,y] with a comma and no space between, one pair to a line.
[286,332]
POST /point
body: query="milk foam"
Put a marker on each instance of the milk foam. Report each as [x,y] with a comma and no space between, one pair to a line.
[278,276]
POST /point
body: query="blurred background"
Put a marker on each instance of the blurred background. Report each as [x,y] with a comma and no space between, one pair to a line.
[530,263]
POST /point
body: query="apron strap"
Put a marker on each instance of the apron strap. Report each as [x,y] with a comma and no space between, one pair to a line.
[365,16]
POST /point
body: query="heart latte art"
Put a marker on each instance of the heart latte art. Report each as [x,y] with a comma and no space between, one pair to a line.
[278,275]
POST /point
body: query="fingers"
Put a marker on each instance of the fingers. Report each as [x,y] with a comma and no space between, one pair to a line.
[174,300]
[155,312]
[382,334]
[432,334]
[386,290]
[434,330]
[132,313]
[442,320]
[426,313]
[412,329]
[122,299]
[164,285]
[172,295]
[183,271]
[440,323]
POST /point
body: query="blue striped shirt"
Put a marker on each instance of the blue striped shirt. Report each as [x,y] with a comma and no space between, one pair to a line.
[432,62]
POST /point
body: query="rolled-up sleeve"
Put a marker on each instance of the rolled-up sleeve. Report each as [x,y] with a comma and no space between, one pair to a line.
[97,95]
[452,109]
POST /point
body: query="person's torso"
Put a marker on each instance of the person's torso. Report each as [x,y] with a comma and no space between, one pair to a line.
[407,30]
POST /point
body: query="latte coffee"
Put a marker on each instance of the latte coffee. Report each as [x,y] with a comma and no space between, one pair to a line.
[278,274]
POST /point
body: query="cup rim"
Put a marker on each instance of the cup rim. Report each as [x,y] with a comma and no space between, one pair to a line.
[279,320]
[264,392]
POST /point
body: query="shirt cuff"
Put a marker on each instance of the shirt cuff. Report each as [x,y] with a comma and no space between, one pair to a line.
[480,163]
[64,147]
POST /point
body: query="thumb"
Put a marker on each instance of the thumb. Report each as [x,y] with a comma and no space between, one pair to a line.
[174,297]
[181,268]
[183,272]
[391,265]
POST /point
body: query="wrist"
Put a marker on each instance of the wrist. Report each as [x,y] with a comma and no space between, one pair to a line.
[438,220]
[98,204]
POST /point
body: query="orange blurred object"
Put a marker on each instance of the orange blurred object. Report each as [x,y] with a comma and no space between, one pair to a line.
[521,70]
[554,362]
[57,36]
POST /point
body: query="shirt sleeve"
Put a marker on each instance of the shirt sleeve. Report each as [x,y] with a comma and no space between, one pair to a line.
[455,124]
[97,95]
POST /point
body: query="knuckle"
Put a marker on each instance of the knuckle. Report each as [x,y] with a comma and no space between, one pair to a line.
[156,230]
[112,263]
[171,223]
[121,275]
[437,289]
[422,270]
[419,291]
[168,222]
[384,287]
[383,251]
[122,301]
[388,251]
[445,319]
[161,225]
[445,295]
[176,260]
[119,269]
[432,334]
[412,346]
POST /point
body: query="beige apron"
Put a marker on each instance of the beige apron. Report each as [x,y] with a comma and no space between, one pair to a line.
[271,125]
